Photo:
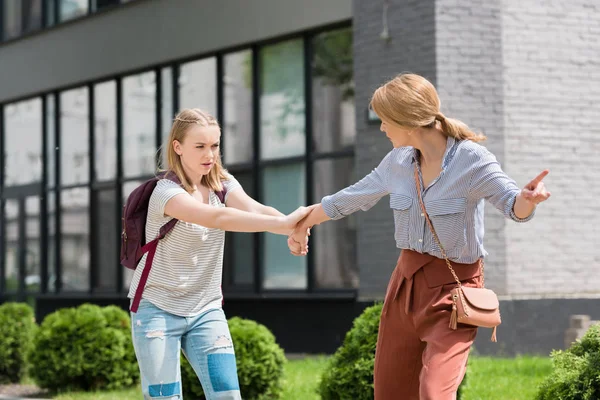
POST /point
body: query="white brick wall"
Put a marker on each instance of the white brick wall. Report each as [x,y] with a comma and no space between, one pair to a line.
[469,82]
[551,116]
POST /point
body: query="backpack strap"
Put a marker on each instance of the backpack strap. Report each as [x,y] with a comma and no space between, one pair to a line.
[150,247]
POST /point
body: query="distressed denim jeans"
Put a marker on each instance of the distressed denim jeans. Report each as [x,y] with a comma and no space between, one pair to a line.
[159,337]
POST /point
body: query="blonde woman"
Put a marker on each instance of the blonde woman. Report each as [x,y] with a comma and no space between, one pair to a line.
[436,159]
[181,303]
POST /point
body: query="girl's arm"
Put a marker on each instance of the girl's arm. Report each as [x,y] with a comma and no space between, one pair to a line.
[239,199]
[185,208]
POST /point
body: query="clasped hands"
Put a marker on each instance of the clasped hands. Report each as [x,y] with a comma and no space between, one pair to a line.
[298,239]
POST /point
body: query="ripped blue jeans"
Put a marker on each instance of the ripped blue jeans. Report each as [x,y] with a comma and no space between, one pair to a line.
[159,337]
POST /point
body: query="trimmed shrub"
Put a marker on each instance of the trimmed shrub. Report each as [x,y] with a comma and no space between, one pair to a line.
[259,359]
[576,374]
[349,374]
[84,348]
[17,329]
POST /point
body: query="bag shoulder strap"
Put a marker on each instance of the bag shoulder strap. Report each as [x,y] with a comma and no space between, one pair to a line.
[435,236]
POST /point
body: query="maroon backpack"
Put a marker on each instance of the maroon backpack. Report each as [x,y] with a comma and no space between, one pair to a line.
[133,236]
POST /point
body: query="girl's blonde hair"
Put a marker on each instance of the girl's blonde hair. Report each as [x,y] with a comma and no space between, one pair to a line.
[181,124]
[410,100]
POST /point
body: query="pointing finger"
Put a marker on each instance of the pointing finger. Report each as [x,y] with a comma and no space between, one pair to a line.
[538,178]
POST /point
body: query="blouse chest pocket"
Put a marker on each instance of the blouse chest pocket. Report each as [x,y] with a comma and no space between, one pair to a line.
[448,219]
[402,206]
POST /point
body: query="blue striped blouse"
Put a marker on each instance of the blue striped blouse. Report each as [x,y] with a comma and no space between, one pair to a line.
[454,200]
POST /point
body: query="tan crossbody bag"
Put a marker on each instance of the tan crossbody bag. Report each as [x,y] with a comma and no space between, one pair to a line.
[471,306]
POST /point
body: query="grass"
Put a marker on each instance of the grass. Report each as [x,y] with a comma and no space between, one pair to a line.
[505,378]
[489,378]
[301,379]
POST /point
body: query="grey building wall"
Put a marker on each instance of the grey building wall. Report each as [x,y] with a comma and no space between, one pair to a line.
[149,32]
[551,53]
[470,86]
[411,47]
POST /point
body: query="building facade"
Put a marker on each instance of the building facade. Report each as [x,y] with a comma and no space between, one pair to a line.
[88,90]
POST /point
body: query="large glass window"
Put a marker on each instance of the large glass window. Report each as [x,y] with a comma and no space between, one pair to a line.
[284,187]
[282,111]
[74,137]
[334,244]
[106,234]
[51,243]
[70,9]
[50,140]
[21,17]
[239,247]
[166,109]
[105,131]
[74,239]
[139,124]
[32,244]
[23,142]
[237,124]
[333,92]
[198,85]
[11,245]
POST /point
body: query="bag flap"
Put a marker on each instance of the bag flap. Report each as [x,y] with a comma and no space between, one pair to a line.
[482,298]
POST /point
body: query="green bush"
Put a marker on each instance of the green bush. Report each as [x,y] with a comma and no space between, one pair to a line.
[259,359]
[84,348]
[349,374]
[576,373]
[17,329]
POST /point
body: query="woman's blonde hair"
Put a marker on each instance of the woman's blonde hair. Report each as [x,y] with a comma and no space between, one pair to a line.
[409,100]
[181,124]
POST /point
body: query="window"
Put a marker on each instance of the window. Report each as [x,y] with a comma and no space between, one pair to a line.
[282,111]
[237,124]
[333,92]
[198,85]
[105,131]
[51,240]
[32,244]
[74,239]
[21,17]
[334,244]
[333,137]
[102,4]
[74,137]
[70,9]
[23,142]
[167,111]
[105,243]
[139,125]
[50,140]
[284,187]
[11,246]
[239,247]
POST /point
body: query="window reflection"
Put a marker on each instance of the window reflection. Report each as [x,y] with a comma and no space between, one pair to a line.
[333,91]
[11,245]
[74,239]
[106,231]
[74,137]
[70,9]
[32,244]
[237,124]
[282,100]
[335,244]
[198,85]
[23,142]
[285,189]
[139,124]
[21,17]
[105,131]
